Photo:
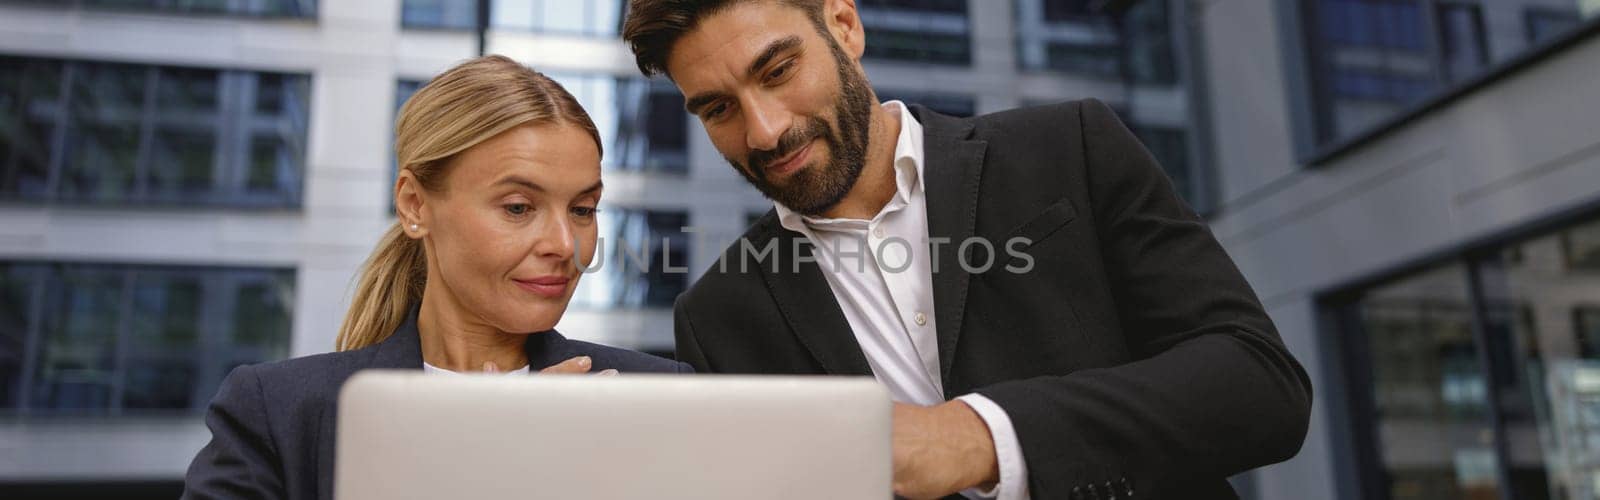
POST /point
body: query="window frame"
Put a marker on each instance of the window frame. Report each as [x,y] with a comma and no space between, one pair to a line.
[1343,349]
[1298,28]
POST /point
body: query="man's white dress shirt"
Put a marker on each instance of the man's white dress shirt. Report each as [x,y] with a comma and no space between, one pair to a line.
[879,271]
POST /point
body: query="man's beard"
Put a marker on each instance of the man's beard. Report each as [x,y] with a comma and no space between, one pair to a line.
[813,189]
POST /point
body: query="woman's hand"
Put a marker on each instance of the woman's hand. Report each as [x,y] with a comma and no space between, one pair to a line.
[575,366]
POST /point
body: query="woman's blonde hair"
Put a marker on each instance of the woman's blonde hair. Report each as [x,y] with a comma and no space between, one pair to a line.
[458,109]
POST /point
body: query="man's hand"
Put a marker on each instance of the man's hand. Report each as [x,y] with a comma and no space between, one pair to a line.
[940,450]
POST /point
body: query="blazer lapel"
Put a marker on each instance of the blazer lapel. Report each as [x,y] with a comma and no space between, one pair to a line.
[403,349]
[808,306]
[954,164]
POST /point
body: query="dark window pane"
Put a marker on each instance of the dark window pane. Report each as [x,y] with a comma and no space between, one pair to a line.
[101,164]
[1461,39]
[1429,386]
[632,267]
[16,295]
[271,170]
[1586,329]
[81,318]
[1543,316]
[278,93]
[1148,47]
[1066,10]
[920,31]
[1581,245]
[641,122]
[439,14]
[261,318]
[119,339]
[1374,59]
[29,108]
[158,384]
[1545,24]
[166,311]
[184,90]
[274,8]
[1093,60]
[163,339]
[181,164]
[579,17]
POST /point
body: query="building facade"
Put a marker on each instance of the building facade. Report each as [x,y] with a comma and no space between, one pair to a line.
[1413,188]
[188,186]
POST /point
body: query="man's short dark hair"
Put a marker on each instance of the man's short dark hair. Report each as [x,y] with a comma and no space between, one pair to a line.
[654,26]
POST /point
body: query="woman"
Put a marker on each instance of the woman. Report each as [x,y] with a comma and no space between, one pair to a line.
[496,195]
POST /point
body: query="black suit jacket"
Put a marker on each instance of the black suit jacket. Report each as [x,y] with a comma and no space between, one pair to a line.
[1133,359]
[272,425]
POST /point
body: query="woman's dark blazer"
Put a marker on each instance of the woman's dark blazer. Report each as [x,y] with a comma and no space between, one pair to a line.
[272,424]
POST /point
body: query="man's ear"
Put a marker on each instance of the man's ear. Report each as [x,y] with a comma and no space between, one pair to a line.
[844,23]
[410,205]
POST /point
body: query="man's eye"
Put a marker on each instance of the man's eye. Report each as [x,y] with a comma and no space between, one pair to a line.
[716,110]
[778,72]
[518,209]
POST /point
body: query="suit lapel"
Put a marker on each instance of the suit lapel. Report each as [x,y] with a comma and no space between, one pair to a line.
[403,349]
[952,169]
[808,306]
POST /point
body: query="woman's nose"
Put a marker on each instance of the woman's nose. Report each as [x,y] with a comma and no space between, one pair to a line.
[559,239]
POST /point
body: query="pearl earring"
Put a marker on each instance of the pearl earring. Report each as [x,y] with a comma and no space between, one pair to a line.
[413,227]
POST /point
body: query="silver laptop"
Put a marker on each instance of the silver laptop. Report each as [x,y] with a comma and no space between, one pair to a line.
[408,435]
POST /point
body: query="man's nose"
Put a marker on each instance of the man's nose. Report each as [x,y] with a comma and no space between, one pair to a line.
[765,124]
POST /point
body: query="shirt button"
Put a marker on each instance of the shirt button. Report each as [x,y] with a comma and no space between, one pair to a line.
[921,319]
[878,232]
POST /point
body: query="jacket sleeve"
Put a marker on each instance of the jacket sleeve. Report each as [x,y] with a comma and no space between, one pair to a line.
[687,347]
[1211,390]
[240,461]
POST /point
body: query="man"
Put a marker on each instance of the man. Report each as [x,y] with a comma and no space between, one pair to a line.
[1051,319]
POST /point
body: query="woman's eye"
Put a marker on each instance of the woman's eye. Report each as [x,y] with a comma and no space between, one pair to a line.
[518,209]
[585,212]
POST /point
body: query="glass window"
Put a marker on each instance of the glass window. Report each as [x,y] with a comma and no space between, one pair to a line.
[1476,392]
[640,260]
[600,18]
[1067,10]
[642,122]
[1542,24]
[1461,40]
[1428,387]
[1545,310]
[402,92]
[918,31]
[105,339]
[1374,59]
[439,14]
[1077,37]
[140,134]
[269,8]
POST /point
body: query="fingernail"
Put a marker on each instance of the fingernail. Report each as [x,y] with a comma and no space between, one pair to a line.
[584,361]
[609,371]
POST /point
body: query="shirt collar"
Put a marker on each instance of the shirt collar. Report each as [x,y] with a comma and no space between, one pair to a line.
[908,162]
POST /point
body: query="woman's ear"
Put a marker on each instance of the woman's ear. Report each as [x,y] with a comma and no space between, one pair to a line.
[410,205]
